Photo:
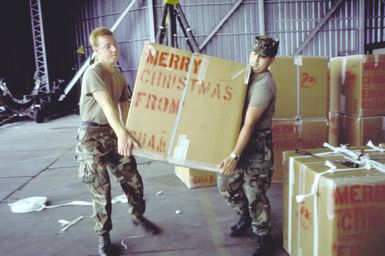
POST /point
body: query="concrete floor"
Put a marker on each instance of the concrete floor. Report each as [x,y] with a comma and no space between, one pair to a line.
[38,160]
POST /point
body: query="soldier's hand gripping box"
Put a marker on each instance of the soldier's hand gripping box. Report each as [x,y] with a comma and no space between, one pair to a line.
[334,204]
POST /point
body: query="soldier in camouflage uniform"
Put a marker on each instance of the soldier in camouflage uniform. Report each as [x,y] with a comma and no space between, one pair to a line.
[103,143]
[247,172]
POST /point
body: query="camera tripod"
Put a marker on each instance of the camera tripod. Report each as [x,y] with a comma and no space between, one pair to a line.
[173,11]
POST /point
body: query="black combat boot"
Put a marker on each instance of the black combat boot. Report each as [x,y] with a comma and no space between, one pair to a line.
[147,226]
[242,226]
[263,246]
[104,244]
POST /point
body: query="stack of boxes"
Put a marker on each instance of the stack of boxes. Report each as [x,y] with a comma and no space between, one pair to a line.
[303,119]
[357,100]
[300,119]
[331,207]
[334,198]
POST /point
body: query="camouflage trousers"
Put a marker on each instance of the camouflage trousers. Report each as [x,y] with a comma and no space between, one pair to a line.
[96,152]
[245,191]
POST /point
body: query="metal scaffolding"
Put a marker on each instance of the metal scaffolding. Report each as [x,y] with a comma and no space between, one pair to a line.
[41,74]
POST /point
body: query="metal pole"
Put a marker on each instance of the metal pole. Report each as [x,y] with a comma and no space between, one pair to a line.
[362,19]
[219,25]
[151,20]
[318,27]
[261,17]
[87,62]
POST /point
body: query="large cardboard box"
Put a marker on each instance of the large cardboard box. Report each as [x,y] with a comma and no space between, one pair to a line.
[359,130]
[195,178]
[358,85]
[186,107]
[296,134]
[332,209]
[302,86]
[355,130]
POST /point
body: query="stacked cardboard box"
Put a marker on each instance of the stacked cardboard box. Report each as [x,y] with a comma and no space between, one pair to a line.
[332,208]
[357,99]
[195,178]
[186,107]
[300,119]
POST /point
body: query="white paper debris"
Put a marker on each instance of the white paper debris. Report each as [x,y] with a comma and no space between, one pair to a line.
[178,212]
[124,245]
[38,203]
[119,199]
[70,203]
[29,204]
[65,224]
[159,193]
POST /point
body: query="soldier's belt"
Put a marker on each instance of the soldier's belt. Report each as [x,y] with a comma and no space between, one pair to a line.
[93,124]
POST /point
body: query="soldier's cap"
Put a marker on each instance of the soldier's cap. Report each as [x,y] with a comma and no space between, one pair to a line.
[266,46]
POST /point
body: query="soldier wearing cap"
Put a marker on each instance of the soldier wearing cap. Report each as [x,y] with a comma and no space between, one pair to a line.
[247,171]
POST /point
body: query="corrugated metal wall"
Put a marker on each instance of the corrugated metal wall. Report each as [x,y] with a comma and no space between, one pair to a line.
[308,27]
[375,21]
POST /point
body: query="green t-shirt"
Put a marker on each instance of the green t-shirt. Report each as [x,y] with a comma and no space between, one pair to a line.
[96,78]
[262,93]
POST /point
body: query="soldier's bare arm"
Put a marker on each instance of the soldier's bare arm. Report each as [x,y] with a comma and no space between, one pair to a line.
[252,116]
[125,141]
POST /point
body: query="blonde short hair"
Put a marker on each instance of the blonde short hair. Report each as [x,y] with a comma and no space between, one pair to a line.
[99,31]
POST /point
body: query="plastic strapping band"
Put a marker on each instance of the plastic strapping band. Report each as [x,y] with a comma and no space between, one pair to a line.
[298,60]
[376,165]
[376,59]
[203,68]
[350,153]
[343,150]
[342,96]
[291,184]
[298,63]
[371,145]
[364,58]
[246,78]
[300,180]
[343,70]
[180,106]
[245,71]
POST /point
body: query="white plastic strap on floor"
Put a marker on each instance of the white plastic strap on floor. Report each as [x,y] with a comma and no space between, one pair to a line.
[38,203]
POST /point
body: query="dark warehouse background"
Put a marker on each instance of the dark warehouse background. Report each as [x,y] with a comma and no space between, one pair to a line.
[17,63]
